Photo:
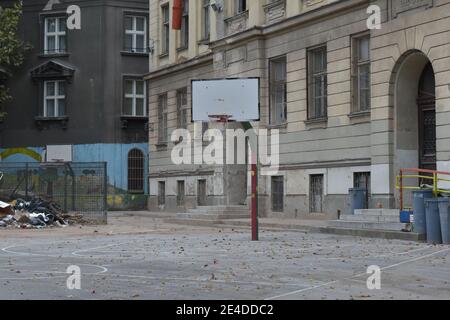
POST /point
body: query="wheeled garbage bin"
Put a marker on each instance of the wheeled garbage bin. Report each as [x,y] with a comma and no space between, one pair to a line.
[444,214]
[419,197]
[433,221]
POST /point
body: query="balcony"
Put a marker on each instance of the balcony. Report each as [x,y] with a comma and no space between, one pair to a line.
[275,11]
[236,23]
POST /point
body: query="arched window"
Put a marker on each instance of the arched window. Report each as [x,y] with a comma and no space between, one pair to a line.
[136,171]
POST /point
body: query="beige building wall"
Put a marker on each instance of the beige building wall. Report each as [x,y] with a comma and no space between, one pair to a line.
[242,45]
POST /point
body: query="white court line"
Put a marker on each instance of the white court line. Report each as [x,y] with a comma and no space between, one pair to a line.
[391,254]
[358,275]
[103,270]
[272,284]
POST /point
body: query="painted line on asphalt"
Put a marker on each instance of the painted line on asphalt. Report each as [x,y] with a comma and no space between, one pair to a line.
[358,275]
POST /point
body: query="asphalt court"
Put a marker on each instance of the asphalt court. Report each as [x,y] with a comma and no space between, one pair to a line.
[221,264]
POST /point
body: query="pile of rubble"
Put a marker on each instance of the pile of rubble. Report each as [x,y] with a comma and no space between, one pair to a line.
[34,214]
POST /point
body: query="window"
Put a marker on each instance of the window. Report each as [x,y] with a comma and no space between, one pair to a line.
[54,35]
[136,171]
[206,20]
[184,35]
[54,99]
[162,119]
[180,193]
[277,194]
[361,73]
[278,91]
[240,6]
[317,83]
[165,29]
[136,34]
[161,193]
[182,108]
[135,98]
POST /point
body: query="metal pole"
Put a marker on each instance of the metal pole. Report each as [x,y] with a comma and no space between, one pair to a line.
[254,183]
[26,181]
[255,231]
[401,189]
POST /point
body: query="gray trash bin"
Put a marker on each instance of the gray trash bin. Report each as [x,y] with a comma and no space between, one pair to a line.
[433,221]
[419,196]
[358,199]
[444,213]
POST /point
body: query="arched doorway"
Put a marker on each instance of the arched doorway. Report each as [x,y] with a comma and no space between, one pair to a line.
[414,113]
[426,103]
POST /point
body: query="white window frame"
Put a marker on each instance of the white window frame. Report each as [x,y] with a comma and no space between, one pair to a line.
[357,65]
[165,31]
[182,108]
[56,97]
[134,33]
[134,96]
[55,34]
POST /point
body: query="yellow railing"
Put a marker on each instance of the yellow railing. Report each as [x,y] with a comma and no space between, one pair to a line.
[433,176]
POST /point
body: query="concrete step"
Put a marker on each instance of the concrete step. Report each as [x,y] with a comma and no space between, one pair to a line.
[220,208]
[369,218]
[213,216]
[368,225]
[378,212]
[383,234]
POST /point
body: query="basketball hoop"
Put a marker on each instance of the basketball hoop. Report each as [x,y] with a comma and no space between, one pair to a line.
[221,118]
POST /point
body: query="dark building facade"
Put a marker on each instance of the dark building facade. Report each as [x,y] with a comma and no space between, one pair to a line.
[80,95]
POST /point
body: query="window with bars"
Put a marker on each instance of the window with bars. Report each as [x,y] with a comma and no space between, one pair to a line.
[361,73]
[165,36]
[162,119]
[54,99]
[317,83]
[278,91]
[184,33]
[135,34]
[277,193]
[206,29]
[161,193]
[180,193]
[182,108]
[55,35]
[136,171]
[135,98]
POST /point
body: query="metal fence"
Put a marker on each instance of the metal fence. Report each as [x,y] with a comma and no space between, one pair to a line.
[77,187]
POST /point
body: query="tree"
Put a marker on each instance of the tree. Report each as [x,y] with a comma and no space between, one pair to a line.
[12,49]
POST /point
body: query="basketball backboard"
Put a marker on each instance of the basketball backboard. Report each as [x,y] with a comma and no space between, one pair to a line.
[238,99]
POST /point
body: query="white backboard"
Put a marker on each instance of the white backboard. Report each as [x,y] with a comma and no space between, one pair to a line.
[238,98]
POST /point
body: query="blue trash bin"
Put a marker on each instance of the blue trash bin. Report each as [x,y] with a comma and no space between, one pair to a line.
[444,213]
[433,220]
[419,196]
[358,199]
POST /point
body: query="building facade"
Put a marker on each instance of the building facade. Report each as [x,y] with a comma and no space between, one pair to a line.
[80,95]
[353,104]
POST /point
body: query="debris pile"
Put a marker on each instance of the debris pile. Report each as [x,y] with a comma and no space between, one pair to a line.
[34,214]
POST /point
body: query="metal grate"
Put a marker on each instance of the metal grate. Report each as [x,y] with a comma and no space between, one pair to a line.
[316,193]
[77,187]
[277,194]
[136,171]
[180,193]
[161,193]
